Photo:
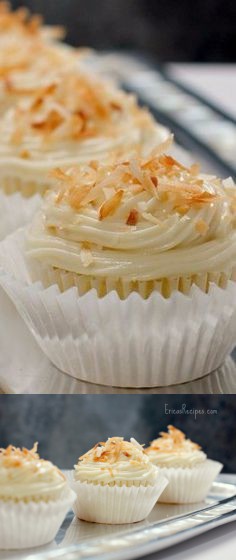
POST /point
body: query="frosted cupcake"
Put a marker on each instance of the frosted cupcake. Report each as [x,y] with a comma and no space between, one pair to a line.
[139,225]
[116,483]
[74,119]
[189,472]
[141,242]
[34,499]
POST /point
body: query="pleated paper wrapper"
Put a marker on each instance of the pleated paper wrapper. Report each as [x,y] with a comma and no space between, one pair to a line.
[115,504]
[32,524]
[189,485]
[124,343]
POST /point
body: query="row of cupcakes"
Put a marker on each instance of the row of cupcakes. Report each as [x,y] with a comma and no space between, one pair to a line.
[127,236]
[116,482]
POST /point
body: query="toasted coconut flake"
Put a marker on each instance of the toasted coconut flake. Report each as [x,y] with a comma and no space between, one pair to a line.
[113,450]
[21,20]
[14,456]
[74,106]
[109,207]
[76,196]
[50,123]
[24,154]
[154,181]
[132,219]
[86,257]
[155,185]
[174,440]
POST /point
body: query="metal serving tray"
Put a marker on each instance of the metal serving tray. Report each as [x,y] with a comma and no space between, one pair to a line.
[166,526]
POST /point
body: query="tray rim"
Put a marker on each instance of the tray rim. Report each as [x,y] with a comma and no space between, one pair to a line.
[155,543]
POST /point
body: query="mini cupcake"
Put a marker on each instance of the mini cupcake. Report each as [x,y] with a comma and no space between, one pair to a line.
[185,465]
[34,499]
[141,242]
[116,483]
[73,119]
[138,225]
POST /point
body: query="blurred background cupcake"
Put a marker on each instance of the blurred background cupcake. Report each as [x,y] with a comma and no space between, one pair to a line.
[73,119]
[189,472]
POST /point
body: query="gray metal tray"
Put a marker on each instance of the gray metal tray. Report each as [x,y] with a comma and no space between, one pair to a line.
[166,526]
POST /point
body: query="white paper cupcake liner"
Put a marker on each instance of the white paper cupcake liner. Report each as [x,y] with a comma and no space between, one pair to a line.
[189,485]
[115,504]
[26,525]
[16,211]
[126,343]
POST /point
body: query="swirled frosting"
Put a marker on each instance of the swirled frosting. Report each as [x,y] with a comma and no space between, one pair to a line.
[24,476]
[172,449]
[135,219]
[116,462]
[73,118]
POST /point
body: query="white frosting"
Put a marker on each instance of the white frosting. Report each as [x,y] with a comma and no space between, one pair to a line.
[116,462]
[182,458]
[127,127]
[172,449]
[163,243]
[25,475]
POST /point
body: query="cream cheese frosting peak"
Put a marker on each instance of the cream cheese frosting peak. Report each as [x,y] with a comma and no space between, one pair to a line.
[173,449]
[116,461]
[23,475]
[136,219]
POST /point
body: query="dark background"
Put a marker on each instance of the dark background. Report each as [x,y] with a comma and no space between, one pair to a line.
[172,30]
[66,426]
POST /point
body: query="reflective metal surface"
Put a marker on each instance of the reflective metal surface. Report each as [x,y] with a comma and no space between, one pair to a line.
[166,525]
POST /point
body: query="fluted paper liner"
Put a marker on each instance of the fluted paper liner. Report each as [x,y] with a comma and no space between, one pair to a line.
[126,343]
[189,485]
[16,211]
[115,504]
[31,524]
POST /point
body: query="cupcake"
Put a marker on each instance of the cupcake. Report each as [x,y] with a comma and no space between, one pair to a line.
[116,483]
[139,225]
[34,499]
[189,472]
[73,119]
[144,243]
